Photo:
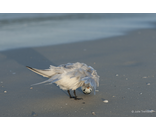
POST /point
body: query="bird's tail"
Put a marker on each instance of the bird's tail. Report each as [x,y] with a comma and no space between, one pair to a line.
[49,73]
[45,73]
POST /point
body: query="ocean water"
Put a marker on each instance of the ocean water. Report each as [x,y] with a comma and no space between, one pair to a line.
[31,30]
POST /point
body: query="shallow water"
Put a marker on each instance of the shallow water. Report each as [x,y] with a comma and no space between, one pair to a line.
[30,30]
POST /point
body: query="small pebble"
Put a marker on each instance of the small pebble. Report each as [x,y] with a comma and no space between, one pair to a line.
[93,113]
[31,87]
[33,114]
[97,90]
[105,101]
[148,84]
[126,78]
[144,77]
[1,82]
[14,73]
[5,91]
[140,93]
[116,75]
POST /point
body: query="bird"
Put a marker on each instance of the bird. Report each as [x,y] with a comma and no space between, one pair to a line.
[70,76]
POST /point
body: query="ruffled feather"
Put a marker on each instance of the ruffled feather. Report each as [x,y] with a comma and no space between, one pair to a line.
[70,75]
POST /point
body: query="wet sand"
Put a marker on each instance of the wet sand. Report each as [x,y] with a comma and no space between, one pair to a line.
[126,65]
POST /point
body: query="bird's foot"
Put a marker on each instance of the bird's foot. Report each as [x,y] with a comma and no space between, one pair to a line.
[71,97]
[75,95]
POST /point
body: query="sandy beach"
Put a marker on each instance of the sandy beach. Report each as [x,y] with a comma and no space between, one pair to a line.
[126,66]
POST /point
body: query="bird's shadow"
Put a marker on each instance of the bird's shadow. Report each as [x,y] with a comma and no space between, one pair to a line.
[30,57]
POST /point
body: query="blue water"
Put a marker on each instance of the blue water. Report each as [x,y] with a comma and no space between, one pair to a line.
[31,30]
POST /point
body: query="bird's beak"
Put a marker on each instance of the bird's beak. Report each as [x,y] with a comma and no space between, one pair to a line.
[88,87]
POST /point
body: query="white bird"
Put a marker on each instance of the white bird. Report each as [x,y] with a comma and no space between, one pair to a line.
[71,76]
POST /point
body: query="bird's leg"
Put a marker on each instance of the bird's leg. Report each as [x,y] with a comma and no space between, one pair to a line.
[70,94]
[76,96]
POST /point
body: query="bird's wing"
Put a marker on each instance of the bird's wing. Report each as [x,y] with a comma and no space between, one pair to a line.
[76,73]
[84,75]
[47,72]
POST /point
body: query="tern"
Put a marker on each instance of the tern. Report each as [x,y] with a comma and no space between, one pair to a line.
[70,76]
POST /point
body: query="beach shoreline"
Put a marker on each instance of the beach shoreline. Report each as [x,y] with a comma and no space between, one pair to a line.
[125,65]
